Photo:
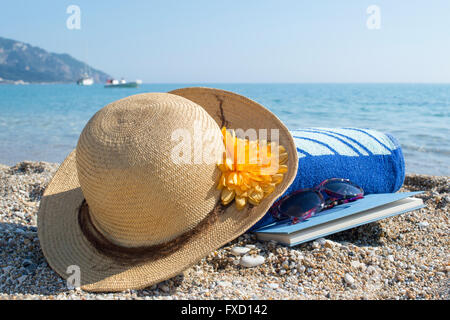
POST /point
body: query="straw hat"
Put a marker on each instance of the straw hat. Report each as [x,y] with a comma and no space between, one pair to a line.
[125,214]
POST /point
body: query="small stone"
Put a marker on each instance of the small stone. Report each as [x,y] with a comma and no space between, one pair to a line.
[7,269]
[251,261]
[31,268]
[224,284]
[239,251]
[321,241]
[391,258]
[250,246]
[20,230]
[26,262]
[423,224]
[164,287]
[349,279]
[21,279]
[273,285]
[329,244]
[371,270]
[410,294]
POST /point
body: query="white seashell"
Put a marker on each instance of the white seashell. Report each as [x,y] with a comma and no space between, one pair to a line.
[239,251]
[250,261]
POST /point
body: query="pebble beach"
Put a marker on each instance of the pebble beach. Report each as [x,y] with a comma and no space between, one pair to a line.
[403,257]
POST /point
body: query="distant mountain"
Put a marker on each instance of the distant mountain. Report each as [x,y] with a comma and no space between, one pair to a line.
[21,61]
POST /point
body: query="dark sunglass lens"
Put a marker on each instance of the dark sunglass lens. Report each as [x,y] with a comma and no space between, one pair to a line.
[300,203]
[343,189]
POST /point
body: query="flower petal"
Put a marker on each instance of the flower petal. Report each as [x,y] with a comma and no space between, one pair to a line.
[227,196]
[283,157]
[277,178]
[241,202]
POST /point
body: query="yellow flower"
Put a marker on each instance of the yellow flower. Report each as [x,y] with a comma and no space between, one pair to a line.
[250,169]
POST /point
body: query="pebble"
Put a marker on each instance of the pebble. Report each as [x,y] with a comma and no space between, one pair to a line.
[165,288]
[224,284]
[239,251]
[329,244]
[321,241]
[349,279]
[21,279]
[251,261]
[423,224]
[371,270]
[7,269]
[273,285]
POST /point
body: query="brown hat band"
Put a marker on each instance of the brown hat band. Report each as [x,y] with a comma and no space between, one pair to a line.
[136,255]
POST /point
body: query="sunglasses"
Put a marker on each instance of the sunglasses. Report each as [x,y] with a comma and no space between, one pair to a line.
[303,204]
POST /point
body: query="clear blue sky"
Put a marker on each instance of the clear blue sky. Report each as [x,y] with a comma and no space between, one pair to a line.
[244,41]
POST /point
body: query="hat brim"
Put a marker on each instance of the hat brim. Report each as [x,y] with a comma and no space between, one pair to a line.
[68,251]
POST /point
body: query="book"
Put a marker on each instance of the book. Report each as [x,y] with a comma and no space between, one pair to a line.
[371,208]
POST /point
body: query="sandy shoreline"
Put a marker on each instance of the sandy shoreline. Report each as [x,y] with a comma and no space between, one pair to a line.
[404,257]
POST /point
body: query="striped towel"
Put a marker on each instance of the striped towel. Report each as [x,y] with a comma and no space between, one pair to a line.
[371,159]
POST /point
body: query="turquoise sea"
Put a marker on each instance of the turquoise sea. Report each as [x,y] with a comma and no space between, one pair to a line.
[43,122]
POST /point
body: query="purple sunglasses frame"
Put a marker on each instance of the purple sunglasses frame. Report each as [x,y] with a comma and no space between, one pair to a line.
[324,204]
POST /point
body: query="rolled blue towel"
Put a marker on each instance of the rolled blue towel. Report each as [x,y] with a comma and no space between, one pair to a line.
[371,159]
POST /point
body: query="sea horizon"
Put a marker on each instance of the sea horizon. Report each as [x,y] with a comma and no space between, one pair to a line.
[239,82]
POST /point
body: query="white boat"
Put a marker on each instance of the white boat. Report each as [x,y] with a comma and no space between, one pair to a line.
[85,80]
[113,83]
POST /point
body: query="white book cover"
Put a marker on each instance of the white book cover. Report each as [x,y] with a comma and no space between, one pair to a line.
[346,216]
